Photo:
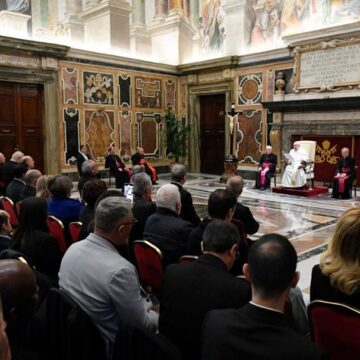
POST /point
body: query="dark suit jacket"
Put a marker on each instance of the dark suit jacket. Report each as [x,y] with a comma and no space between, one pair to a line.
[321,289]
[14,190]
[4,242]
[168,232]
[271,158]
[254,333]
[83,179]
[189,292]
[348,163]
[79,161]
[8,171]
[27,191]
[188,212]
[243,214]
[195,238]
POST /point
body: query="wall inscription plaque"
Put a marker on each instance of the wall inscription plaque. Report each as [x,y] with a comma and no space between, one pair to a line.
[328,66]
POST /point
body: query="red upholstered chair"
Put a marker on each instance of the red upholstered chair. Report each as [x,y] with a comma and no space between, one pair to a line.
[185,259]
[335,327]
[74,230]
[56,229]
[149,261]
[9,207]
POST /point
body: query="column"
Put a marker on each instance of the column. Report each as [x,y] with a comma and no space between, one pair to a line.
[140,39]
[175,7]
[194,13]
[73,24]
[161,9]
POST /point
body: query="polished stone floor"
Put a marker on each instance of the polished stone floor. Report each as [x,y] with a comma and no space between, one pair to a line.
[308,222]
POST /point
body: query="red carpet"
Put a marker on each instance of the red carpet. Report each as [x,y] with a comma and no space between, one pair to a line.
[301,192]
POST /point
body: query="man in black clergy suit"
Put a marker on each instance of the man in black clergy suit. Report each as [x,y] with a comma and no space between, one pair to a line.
[259,329]
[189,291]
[267,167]
[178,178]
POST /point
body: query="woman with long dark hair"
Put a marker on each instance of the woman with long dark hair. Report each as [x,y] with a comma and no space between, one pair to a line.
[32,237]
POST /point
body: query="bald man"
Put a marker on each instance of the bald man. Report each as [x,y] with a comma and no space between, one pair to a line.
[139,159]
[267,166]
[31,178]
[345,175]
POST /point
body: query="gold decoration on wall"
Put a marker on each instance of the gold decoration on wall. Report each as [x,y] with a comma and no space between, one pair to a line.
[325,154]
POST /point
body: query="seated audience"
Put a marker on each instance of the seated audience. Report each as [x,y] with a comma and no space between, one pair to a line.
[17,185]
[42,190]
[19,299]
[139,159]
[143,207]
[61,205]
[2,180]
[267,167]
[178,178]
[31,178]
[345,175]
[90,171]
[189,291]
[102,282]
[32,237]
[259,329]
[8,167]
[83,155]
[5,230]
[117,168]
[91,192]
[28,161]
[242,217]
[221,206]
[166,229]
[337,278]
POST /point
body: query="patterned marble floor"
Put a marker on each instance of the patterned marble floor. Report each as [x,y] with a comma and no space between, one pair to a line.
[308,222]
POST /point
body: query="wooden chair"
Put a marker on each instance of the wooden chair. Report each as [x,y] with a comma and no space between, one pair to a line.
[185,259]
[74,230]
[149,261]
[56,229]
[9,207]
[335,327]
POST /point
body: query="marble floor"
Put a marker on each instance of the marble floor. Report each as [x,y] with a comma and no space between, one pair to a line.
[307,222]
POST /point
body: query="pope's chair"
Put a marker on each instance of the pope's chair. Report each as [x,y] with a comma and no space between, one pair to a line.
[335,327]
[149,260]
[309,147]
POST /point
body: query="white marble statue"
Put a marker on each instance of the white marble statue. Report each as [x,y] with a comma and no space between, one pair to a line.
[294,175]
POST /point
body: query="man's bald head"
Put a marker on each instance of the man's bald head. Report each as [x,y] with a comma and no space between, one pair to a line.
[18,287]
[31,177]
[235,184]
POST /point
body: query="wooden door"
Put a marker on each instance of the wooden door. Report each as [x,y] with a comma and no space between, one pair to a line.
[21,121]
[212,133]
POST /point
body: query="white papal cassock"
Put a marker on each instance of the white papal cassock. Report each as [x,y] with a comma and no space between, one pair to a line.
[293,176]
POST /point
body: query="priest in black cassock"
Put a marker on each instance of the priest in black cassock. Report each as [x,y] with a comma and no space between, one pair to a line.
[345,175]
[267,167]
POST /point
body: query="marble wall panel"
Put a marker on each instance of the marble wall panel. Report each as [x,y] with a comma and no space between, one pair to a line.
[250,89]
[125,131]
[148,92]
[170,93]
[98,88]
[70,86]
[71,123]
[125,87]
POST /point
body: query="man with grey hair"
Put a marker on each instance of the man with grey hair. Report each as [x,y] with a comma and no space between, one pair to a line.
[166,229]
[29,161]
[102,282]
[31,178]
[143,207]
[9,166]
[89,171]
[178,178]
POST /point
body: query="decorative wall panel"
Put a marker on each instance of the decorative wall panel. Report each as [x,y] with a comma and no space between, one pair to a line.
[99,132]
[70,86]
[71,134]
[250,145]
[149,127]
[250,89]
[125,90]
[170,93]
[98,88]
[148,92]
[125,133]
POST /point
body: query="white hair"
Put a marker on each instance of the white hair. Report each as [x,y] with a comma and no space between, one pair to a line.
[168,196]
[268,147]
[17,156]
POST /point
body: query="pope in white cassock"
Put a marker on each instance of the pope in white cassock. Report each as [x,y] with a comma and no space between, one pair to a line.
[294,175]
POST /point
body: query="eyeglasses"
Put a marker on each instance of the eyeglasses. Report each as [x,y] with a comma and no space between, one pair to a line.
[133,222]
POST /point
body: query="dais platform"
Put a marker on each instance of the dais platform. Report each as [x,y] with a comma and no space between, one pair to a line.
[306,192]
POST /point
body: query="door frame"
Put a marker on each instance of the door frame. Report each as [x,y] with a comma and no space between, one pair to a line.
[195,91]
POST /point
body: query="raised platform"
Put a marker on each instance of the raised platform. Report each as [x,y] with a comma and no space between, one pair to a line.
[307,192]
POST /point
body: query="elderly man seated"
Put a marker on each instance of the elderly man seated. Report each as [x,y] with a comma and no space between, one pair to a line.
[294,175]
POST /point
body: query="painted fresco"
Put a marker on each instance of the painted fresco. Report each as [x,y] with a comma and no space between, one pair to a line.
[98,88]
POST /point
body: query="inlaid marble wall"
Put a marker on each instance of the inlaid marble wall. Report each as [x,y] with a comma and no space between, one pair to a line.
[101,106]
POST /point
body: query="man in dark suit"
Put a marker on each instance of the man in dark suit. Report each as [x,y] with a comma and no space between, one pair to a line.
[166,229]
[345,175]
[259,329]
[16,186]
[9,166]
[31,178]
[178,178]
[82,156]
[190,291]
